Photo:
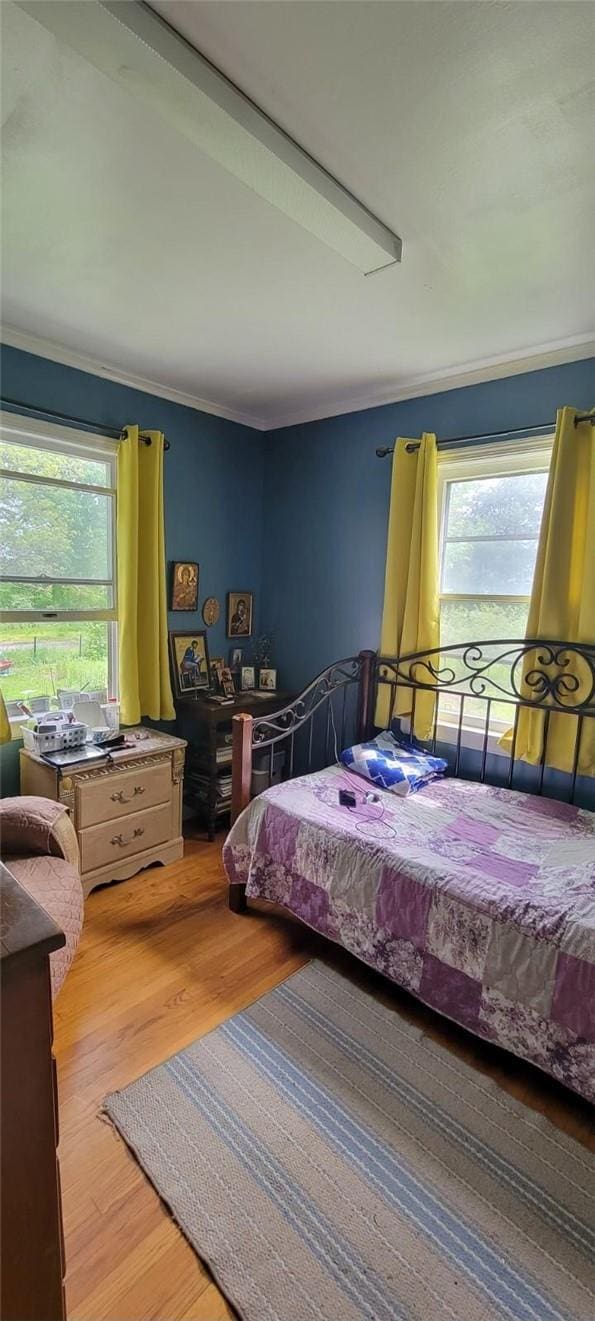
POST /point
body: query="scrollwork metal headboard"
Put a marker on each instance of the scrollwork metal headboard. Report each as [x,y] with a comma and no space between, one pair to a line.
[518,671]
[487,685]
[484,687]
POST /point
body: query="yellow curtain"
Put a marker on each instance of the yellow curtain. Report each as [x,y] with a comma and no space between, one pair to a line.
[411,620]
[563,596]
[145,688]
[5,732]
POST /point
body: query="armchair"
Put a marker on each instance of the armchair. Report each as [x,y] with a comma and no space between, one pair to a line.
[38,844]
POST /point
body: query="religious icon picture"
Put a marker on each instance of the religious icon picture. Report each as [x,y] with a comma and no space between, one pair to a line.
[226,682]
[211,611]
[239,614]
[247,678]
[184,586]
[189,660]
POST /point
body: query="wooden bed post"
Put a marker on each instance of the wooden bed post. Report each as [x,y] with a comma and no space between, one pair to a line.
[241,764]
[241,781]
[366,695]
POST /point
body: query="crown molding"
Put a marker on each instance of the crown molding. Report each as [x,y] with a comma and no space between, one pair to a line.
[548,355]
[455,378]
[46,348]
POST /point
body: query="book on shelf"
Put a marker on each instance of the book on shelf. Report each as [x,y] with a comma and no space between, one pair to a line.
[199,786]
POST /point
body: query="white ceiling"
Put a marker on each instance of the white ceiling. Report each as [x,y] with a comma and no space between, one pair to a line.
[468,128]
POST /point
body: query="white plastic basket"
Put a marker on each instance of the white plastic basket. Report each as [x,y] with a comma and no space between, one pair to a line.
[73,736]
[70,736]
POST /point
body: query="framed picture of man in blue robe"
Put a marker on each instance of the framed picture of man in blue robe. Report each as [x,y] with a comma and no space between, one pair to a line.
[189,658]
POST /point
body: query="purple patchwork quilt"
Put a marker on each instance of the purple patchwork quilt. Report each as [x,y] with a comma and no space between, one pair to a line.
[480,901]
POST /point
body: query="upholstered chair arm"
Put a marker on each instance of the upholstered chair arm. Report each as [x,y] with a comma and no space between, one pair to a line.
[31,825]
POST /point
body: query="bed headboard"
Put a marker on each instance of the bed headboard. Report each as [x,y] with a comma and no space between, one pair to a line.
[481,689]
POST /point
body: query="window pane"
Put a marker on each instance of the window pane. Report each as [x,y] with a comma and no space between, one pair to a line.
[38,659]
[46,596]
[54,532]
[489,567]
[69,467]
[496,505]
[479,621]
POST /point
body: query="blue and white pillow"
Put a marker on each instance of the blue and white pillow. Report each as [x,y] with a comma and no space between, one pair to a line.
[399,767]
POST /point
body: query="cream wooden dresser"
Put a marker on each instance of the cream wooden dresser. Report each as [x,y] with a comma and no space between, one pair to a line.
[127,812]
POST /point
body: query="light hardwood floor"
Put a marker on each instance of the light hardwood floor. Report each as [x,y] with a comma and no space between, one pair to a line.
[161,962]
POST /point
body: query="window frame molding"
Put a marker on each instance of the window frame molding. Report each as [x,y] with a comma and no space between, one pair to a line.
[81,444]
[500,459]
[37,434]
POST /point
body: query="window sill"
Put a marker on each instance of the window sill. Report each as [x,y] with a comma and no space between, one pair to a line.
[472,738]
[16,723]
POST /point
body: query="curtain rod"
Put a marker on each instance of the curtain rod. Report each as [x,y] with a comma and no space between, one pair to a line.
[539,427]
[48,415]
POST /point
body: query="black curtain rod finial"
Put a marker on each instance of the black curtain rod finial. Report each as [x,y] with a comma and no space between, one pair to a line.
[146,440]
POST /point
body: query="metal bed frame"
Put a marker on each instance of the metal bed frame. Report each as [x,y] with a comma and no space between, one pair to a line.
[551,676]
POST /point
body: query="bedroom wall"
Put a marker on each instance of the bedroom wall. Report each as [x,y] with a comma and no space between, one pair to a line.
[298,515]
[326,502]
[213,481]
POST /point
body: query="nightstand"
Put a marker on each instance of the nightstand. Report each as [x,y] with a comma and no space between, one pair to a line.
[126,810]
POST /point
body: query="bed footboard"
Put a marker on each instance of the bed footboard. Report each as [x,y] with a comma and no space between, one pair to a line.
[336,708]
[316,715]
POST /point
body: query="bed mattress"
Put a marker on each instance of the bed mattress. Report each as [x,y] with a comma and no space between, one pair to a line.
[479,900]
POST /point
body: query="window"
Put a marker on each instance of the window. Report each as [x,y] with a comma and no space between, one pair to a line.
[57,563]
[491,502]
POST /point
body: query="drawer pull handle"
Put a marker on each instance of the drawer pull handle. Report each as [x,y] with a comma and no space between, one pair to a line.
[120,796]
[121,842]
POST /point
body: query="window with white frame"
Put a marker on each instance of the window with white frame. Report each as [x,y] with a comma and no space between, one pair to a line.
[491,503]
[58,595]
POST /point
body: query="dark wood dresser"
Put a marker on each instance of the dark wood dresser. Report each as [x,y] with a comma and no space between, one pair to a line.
[32,1246]
[207,730]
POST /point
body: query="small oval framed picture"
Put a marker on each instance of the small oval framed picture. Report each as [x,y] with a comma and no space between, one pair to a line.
[247,678]
[211,611]
[267,681]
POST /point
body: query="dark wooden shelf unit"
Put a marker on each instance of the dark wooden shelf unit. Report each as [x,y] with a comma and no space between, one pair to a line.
[207,726]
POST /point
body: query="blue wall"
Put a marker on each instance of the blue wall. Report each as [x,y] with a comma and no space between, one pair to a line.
[213,484]
[213,475]
[299,515]
[326,502]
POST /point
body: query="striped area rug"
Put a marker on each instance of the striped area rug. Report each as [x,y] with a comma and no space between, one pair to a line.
[330,1163]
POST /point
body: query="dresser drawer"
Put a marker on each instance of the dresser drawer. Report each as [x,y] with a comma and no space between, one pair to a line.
[114,840]
[115,795]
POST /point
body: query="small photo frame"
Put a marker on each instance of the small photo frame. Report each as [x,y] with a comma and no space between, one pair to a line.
[247,678]
[189,660]
[267,681]
[235,658]
[216,665]
[226,682]
[239,614]
[184,585]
